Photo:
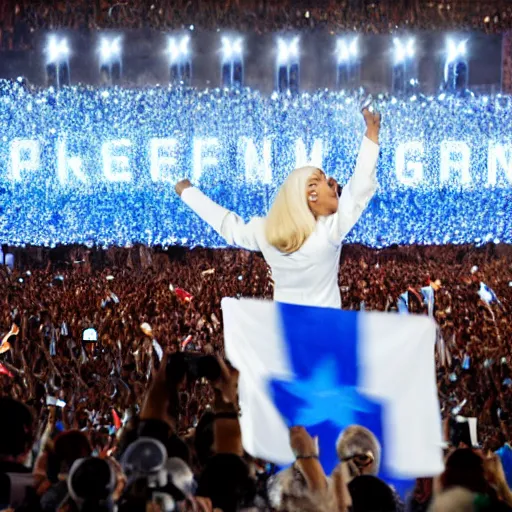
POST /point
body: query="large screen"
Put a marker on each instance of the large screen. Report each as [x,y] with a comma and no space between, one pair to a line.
[98,166]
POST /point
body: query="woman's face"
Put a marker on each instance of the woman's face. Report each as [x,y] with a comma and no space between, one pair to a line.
[322,194]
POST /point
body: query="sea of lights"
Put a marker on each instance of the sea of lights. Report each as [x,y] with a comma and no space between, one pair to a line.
[97,166]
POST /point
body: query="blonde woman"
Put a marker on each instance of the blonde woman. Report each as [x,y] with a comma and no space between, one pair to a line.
[301,237]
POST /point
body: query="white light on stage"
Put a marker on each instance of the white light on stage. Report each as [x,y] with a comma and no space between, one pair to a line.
[232,49]
[57,50]
[57,61]
[404,66]
[287,51]
[178,49]
[232,61]
[346,50]
[456,68]
[180,59]
[347,57]
[110,49]
[287,65]
[456,50]
[403,50]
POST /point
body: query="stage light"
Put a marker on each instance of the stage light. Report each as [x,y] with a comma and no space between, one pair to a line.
[405,70]
[57,61]
[57,50]
[287,51]
[403,49]
[348,69]
[179,60]
[287,65]
[232,62]
[456,66]
[179,49]
[110,49]
[232,48]
[456,50]
[346,50]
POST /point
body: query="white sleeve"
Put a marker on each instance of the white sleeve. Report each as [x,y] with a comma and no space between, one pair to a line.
[357,192]
[227,224]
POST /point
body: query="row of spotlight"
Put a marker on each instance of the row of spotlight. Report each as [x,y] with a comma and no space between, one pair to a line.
[347,57]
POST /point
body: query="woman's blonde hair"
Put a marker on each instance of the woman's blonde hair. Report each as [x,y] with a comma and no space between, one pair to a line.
[289,221]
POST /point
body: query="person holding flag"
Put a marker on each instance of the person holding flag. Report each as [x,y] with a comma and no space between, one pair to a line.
[301,236]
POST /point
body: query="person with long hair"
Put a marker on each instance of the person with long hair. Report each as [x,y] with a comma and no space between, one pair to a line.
[301,236]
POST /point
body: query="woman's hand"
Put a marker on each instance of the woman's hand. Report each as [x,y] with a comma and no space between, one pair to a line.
[372,121]
[181,186]
[302,444]
[305,449]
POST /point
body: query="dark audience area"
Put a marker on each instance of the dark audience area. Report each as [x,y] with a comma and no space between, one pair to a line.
[20,19]
[113,397]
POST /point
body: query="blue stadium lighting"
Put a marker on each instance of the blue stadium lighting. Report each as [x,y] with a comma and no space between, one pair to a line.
[97,166]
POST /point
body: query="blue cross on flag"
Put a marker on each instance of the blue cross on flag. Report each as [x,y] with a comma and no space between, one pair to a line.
[326,369]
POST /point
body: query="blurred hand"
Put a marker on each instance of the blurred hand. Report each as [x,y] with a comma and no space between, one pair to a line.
[197,504]
[341,478]
[372,121]
[494,471]
[302,444]
[52,412]
[227,384]
[157,397]
[181,186]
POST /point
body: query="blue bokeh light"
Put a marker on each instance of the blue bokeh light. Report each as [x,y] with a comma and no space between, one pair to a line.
[97,166]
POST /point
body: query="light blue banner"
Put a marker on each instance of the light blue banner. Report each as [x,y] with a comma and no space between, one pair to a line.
[99,166]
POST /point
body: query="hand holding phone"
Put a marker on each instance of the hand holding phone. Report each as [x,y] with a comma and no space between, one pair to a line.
[55,402]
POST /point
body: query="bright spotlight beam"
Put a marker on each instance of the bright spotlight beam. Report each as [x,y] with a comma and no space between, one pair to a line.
[346,50]
[456,50]
[232,48]
[178,49]
[287,50]
[403,50]
[57,50]
[110,49]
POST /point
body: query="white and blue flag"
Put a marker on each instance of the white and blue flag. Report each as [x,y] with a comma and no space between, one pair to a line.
[487,294]
[403,303]
[429,298]
[326,369]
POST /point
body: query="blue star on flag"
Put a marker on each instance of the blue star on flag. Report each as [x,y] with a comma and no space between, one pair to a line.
[320,398]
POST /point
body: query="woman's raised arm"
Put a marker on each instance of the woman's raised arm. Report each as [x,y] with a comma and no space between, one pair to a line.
[362,185]
[227,224]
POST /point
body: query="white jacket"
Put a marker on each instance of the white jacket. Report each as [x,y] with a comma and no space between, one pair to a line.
[308,276]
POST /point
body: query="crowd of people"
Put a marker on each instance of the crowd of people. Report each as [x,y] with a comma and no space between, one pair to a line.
[114,391]
[102,399]
[20,18]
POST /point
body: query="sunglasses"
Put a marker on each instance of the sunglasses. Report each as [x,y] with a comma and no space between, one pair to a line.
[361,460]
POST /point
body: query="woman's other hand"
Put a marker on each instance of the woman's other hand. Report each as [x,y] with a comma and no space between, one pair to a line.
[372,120]
[181,186]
